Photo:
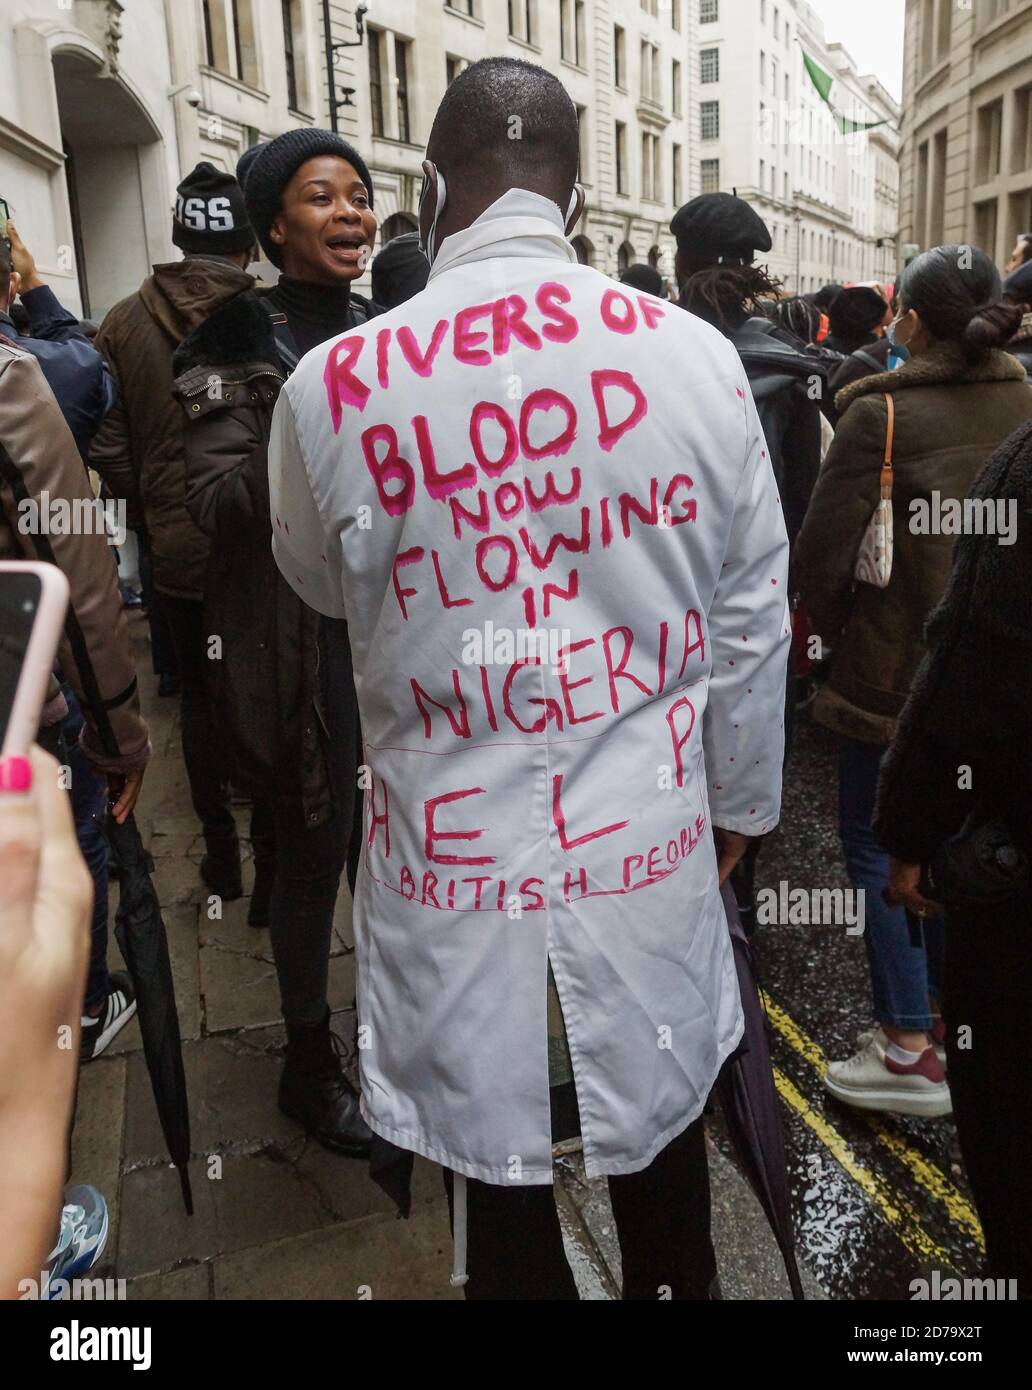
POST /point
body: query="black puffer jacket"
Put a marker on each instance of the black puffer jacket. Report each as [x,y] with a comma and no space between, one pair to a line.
[787,387]
[970,703]
[266,676]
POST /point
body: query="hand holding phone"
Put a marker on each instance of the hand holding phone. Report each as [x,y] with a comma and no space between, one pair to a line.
[33,603]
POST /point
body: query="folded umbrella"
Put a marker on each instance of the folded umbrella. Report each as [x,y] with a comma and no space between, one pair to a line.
[749,1100]
[140,932]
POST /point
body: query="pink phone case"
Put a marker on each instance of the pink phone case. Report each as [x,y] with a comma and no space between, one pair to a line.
[38,662]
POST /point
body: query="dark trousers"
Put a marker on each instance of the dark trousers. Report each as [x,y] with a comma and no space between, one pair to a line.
[89,811]
[164,651]
[514,1244]
[988,983]
[306,862]
[209,786]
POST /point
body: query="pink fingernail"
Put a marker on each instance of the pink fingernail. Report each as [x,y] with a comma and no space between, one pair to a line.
[15,775]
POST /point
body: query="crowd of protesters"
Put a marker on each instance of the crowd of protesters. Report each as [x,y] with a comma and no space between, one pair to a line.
[201,405]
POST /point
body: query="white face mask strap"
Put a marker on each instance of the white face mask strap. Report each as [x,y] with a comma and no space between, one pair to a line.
[573,204]
[430,249]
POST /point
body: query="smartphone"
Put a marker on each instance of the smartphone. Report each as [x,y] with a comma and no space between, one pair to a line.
[5,217]
[33,603]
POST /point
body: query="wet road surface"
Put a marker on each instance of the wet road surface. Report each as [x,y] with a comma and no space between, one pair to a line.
[878,1199]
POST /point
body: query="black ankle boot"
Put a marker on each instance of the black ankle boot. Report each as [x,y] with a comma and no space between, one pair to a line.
[315,1092]
[220,867]
[261,895]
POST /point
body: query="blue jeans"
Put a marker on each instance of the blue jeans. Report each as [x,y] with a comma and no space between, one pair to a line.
[902,975]
[89,811]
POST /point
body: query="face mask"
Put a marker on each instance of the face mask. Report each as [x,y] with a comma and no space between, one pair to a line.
[899,352]
[430,249]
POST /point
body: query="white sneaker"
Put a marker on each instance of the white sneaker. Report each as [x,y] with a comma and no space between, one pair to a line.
[862,1040]
[869,1080]
[119,1008]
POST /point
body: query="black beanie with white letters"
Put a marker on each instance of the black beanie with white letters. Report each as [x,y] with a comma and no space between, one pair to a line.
[210,215]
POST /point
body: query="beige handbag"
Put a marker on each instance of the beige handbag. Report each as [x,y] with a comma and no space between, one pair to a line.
[874,559]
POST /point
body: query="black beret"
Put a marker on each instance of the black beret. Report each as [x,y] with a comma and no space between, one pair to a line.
[720,226]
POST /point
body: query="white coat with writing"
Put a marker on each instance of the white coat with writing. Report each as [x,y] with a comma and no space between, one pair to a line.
[544,505]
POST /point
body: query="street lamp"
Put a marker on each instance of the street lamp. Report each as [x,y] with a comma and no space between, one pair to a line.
[331,57]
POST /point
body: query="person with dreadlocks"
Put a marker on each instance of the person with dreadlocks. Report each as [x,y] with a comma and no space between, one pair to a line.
[718,236]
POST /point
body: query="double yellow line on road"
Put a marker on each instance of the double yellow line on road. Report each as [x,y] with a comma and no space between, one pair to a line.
[895,1208]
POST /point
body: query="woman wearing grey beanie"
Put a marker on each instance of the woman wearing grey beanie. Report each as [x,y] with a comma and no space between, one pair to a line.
[284,688]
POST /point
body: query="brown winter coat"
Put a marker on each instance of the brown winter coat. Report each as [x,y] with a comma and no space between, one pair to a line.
[95,654]
[138,450]
[950,416]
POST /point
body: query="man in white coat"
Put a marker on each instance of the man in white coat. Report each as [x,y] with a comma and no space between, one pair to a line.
[543,503]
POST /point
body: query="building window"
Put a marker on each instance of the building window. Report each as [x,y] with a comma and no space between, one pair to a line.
[709,11]
[452,67]
[1021,144]
[942,45]
[763,176]
[621,157]
[650,79]
[582,141]
[571,32]
[521,20]
[775,23]
[985,227]
[709,118]
[619,57]
[209,38]
[290,56]
[375,42]
[763,69]
[784,191]
[229,44]
[675,15]
[675,180]
[401,49]
[650,175]
[675,87]
[990,129]
[709,65]
[710,171]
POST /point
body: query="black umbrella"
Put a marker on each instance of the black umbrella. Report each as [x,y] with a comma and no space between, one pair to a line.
[750,1103]
[140,931]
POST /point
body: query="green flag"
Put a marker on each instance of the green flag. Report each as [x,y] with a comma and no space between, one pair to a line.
[823,82]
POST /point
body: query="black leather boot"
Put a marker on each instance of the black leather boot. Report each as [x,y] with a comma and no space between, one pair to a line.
[315,1092]
[220,867]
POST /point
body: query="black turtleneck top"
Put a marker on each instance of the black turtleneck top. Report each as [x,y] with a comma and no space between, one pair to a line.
[314,312]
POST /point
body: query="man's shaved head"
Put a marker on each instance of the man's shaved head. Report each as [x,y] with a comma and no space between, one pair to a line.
[507,124]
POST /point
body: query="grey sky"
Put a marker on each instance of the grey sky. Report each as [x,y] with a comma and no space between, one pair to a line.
[872,31]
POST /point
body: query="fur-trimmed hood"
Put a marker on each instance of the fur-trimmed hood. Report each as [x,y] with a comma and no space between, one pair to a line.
[238,331]
[942,365]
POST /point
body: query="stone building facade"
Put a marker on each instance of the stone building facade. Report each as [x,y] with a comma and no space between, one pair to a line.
[967,146]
